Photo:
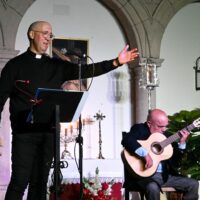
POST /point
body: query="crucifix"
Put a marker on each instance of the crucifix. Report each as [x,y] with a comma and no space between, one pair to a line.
[99,116]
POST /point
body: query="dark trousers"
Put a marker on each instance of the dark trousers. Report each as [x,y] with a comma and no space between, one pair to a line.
[32,154]
[188,186]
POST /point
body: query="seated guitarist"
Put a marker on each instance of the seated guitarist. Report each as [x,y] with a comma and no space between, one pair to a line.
[165,175]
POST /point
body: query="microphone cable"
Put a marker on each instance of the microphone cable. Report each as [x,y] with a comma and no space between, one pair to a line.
[93,70]
[32,99]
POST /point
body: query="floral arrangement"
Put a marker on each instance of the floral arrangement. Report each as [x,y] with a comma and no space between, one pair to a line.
[95,190]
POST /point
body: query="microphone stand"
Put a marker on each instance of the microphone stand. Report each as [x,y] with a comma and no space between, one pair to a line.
[79,139]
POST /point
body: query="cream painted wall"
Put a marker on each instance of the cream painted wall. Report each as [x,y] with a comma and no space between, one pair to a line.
[180,48]
[90,20]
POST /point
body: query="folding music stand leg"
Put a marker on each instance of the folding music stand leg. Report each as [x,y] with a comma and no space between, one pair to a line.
[57,181]
[79,140]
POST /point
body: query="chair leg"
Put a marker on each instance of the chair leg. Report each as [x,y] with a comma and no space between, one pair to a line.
[126,194]
[142,195]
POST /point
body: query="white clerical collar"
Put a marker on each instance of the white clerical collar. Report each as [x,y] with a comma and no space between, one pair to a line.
[38,56]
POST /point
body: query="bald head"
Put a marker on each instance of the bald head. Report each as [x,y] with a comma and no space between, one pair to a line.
[36,26]
[157,121]
[40,36]
[156,114]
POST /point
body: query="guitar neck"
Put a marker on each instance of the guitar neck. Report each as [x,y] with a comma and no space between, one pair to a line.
[176,136]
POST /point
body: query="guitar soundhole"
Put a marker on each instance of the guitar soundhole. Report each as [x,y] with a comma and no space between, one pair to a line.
[156,148]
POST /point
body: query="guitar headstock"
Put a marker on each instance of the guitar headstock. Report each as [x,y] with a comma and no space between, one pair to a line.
[196,123]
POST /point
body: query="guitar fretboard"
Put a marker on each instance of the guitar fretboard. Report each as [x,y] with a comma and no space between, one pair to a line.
[175,136]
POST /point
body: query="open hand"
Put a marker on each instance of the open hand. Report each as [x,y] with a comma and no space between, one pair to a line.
[126,55]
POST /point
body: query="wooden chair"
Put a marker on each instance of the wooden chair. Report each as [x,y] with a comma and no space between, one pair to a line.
[172,193]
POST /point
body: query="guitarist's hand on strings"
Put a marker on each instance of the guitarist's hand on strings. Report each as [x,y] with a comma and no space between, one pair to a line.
[184,136]
[148,161]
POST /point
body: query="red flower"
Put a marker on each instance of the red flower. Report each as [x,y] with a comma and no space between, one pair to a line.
[105,186]
[100,193]
[86,191]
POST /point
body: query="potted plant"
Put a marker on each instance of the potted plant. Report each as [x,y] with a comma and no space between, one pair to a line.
[190,165]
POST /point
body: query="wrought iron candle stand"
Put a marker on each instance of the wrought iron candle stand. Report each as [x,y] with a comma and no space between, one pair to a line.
[99,116]
[68,137]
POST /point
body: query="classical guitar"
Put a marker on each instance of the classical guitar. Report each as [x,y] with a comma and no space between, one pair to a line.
[159,148]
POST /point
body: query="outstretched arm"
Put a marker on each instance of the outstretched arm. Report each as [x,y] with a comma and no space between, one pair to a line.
[126,56]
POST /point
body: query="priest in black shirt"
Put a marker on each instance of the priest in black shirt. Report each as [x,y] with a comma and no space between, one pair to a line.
[32,143]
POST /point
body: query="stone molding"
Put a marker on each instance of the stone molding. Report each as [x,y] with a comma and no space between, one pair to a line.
[6,55]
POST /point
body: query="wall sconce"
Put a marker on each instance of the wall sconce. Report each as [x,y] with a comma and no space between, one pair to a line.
[149,78]
[197,73]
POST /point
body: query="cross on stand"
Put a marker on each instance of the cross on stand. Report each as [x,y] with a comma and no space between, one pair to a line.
[99,116]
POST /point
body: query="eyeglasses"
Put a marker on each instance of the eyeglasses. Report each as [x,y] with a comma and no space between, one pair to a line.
[46,34]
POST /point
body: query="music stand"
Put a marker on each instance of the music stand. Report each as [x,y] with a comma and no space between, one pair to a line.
[67,106]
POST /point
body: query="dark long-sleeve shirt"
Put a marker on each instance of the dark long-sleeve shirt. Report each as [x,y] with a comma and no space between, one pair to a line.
[142,132]
[44,72]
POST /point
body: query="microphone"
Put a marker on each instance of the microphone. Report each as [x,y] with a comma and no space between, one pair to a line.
[23,81]
[72,53]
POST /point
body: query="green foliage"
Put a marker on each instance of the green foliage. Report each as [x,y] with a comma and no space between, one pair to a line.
[190,165]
